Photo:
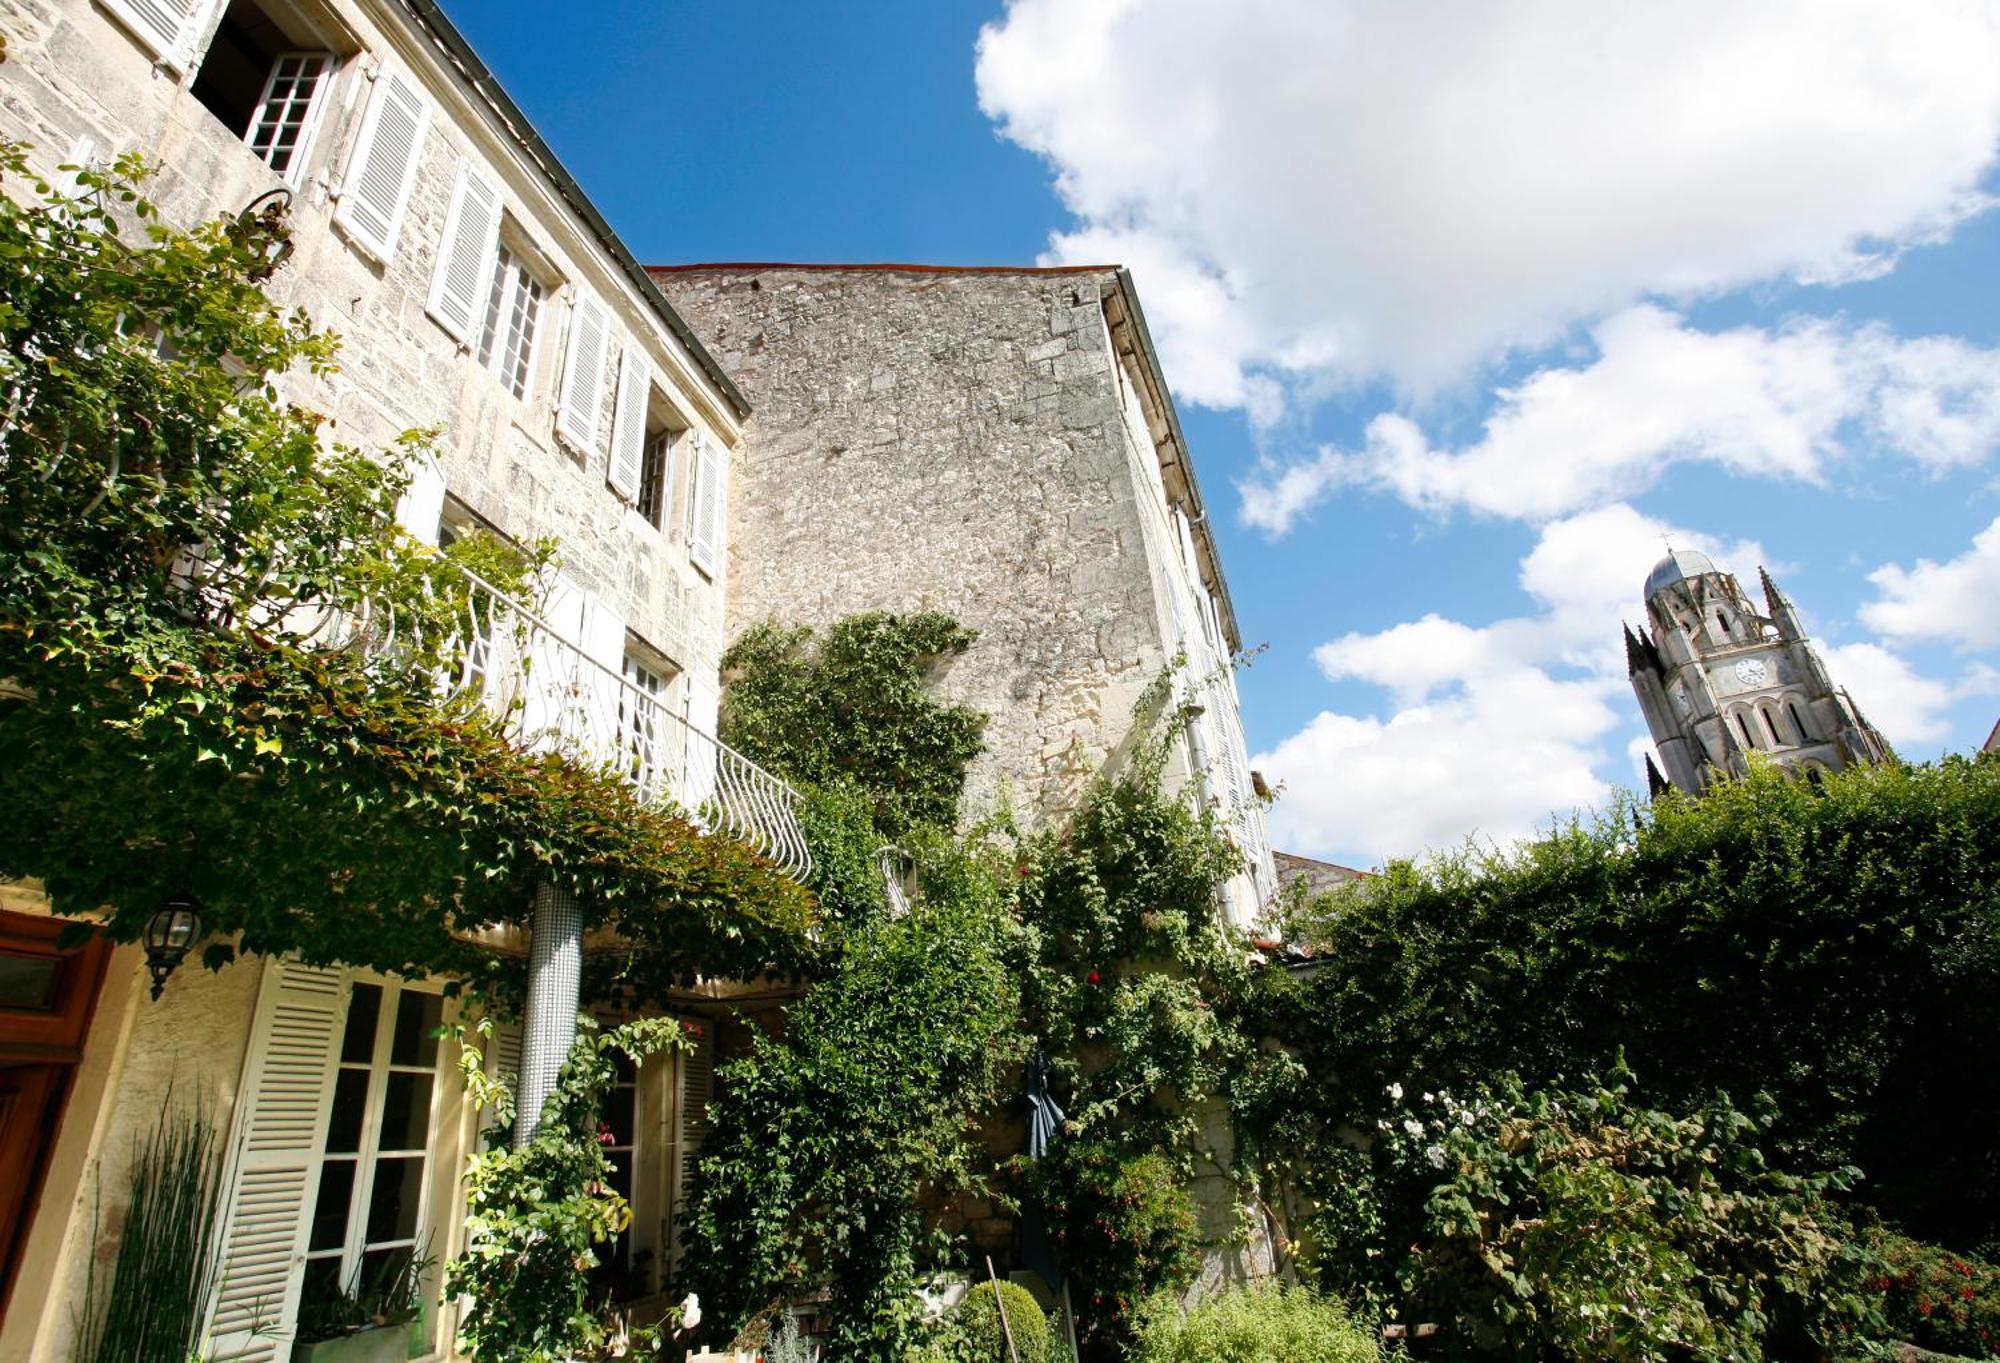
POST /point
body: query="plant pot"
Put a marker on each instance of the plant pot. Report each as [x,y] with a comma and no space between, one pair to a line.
[381,1344]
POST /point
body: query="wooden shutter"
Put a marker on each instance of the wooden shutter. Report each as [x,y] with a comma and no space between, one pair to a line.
[628,433]
[377,188]
[168,28]
[280,1134]
[464,274]
[583,373]
[691,1125]
[420,509]
[708,506]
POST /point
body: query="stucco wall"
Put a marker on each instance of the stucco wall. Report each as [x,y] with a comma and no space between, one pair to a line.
[951,442]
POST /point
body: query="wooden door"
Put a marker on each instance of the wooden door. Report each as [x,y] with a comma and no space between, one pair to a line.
[46,998]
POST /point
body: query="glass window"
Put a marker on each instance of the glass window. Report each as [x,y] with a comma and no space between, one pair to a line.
[513,315]
[367,1216]
[619,1272]
[642,730]
[655,478]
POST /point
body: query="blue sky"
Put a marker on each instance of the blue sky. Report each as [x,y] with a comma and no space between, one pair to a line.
[1464,310]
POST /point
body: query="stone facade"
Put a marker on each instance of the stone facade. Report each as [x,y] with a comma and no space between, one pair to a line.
[1719,680]
[997,445]
[84,81]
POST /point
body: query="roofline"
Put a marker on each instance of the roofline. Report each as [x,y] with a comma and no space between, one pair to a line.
[1198,509]
[517,125]
[881,267]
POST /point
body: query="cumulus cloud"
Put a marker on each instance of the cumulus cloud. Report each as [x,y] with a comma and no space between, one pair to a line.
[1489,728]
[1788,403]
[1954,601]
[1906,707]
[1405,187]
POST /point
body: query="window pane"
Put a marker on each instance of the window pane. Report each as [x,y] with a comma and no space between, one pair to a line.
[381,1288]
[350,1104]
[392,1205]
[28,982]
[332,1204]
[618,1114]
[417,1018]
[358,1046]
[406,1112]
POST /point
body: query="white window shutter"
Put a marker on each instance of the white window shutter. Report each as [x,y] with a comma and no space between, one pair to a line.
[464,273]
[421,507]
[167,27]
[628,433]
[704,704]
[708,508]
[279,1137]
[377,187]
[691,1124]
[503,1062]
[583,373]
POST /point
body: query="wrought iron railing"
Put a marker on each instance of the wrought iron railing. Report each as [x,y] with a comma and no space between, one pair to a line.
[550,695]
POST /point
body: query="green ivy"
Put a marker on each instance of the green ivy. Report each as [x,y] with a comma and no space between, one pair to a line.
[854,709]
[174,538]
[537,1213]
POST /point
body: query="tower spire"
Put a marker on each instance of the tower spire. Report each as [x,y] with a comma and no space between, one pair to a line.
[1656,784]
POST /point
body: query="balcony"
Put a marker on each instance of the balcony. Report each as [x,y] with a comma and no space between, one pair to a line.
[550,695]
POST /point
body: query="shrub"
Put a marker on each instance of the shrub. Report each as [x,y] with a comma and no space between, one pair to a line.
[981,1340]
[1123,1227]
[1936,1299]
[1578,1224]
[1259,1324]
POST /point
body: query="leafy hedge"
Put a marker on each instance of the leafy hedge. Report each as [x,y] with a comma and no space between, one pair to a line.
[1835,947]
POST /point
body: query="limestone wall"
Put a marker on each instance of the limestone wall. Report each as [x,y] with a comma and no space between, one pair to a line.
[74,77]
[949,441]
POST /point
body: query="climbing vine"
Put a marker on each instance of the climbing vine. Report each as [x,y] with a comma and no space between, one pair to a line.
[853,708]
[179,549]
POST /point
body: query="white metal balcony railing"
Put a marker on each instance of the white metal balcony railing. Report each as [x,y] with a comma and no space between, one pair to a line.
[550,695]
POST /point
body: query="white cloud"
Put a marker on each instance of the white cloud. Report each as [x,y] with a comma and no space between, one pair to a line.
[1906,707]
[1783,404]
[1406,187]
[1490,729]
[1958,600]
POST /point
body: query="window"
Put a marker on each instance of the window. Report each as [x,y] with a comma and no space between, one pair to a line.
[1770,727]
[620,1272]
[1798,721]
[366,1224]
[1743,727]
[643,732]
[513,318]
[656,478]
[265,76]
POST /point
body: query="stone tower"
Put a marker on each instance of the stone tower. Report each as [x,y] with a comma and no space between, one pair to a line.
[1717,681]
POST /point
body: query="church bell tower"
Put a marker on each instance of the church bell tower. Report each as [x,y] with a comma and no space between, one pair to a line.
[1718,681]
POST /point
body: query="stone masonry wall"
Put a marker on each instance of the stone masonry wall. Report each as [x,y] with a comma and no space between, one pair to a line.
[931,440]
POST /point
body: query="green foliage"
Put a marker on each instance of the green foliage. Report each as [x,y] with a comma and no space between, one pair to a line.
[839,824]
[1836,947]
[1123,1227]
[854,708]
[153,1307]
[1257,1324]
[177,545]
[1935,1299]
[536,1213]
[1578,1224]
[980,1337]
[829,1139]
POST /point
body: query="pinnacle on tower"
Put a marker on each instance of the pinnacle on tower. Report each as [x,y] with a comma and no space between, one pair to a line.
[1640,655]
[1656,784]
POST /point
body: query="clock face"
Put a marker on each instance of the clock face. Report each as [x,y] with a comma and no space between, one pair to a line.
[1752,672]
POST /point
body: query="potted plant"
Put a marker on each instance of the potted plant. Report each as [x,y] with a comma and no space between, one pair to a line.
[367,1322]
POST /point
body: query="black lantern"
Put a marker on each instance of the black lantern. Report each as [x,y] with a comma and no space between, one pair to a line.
[173,930]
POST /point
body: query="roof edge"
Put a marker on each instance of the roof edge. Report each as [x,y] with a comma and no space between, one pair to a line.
[878,267]
[517,125]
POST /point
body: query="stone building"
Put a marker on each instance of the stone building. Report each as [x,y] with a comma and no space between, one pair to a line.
[477,291]
[998,444]
[1718,680]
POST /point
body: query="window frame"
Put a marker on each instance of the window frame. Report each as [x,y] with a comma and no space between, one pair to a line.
[294,171]
[513,263]
[351,1255]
